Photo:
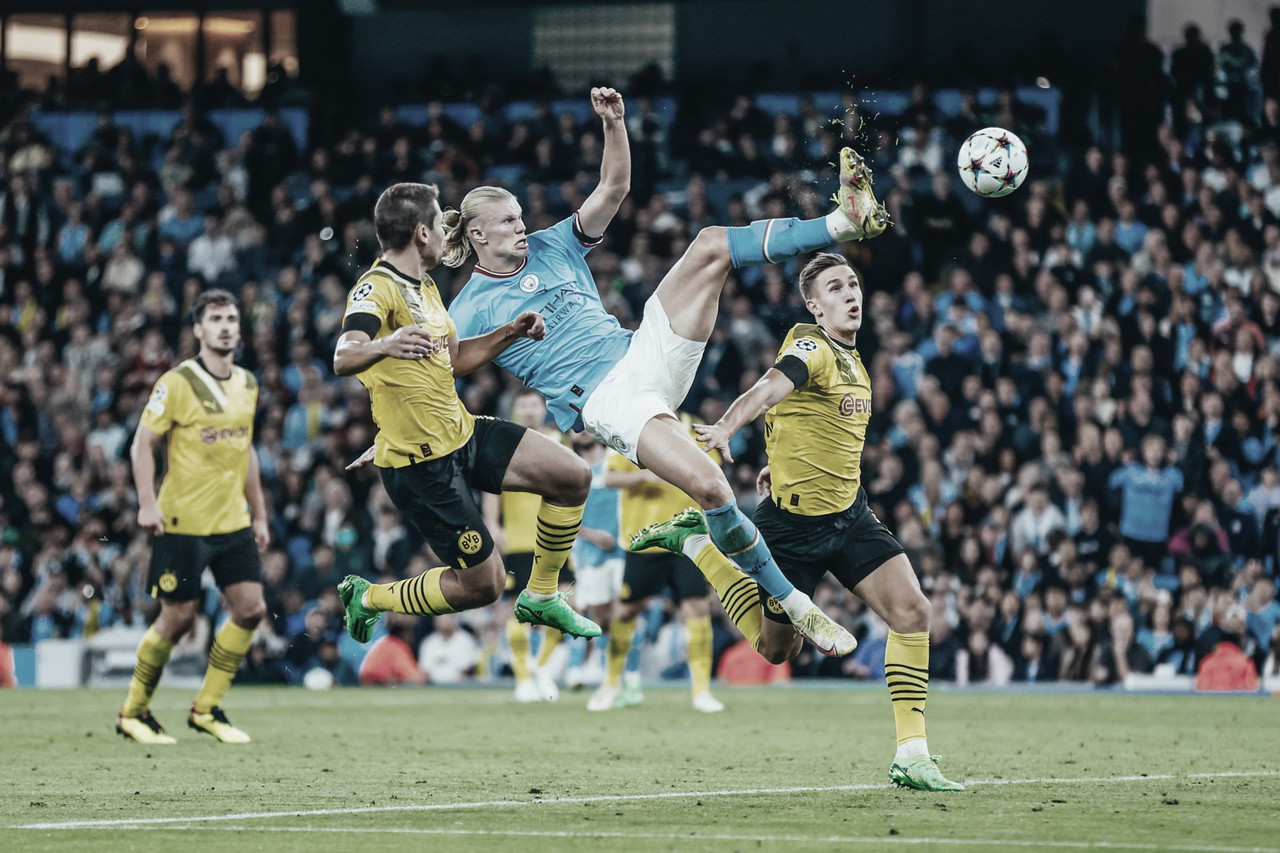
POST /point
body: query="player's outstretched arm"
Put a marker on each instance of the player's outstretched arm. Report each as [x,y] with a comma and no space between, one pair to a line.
[357,351]
[760,398]
[142,454]
[257,501]
[474,353]
[615,168]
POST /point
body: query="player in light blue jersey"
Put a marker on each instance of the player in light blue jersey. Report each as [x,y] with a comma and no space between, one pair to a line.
[624,388]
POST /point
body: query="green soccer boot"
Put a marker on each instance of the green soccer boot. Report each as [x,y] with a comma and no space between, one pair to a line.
[671,534]
[360,620]
[555,613]
[921,773]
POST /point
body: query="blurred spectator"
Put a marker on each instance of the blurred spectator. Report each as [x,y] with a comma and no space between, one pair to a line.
[449,653]
[390,660]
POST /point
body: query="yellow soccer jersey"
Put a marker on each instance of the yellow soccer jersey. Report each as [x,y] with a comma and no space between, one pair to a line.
[649,503]
[814,437]
[415,403]
[209,422]
[520,513]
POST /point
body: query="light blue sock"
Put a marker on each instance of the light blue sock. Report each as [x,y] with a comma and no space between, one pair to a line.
[637,648]
[769,241]
[737,538]
[578,647]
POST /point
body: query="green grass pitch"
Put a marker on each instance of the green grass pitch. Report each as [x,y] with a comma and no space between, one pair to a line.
[781,769]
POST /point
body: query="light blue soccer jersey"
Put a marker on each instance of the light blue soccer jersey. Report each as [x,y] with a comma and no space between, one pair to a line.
[583,340]
[599,513]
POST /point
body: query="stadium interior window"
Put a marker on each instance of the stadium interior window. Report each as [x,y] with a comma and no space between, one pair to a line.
[169,38]
[233,44]
[36,48]
[101,37]
[582,44]
[284,42]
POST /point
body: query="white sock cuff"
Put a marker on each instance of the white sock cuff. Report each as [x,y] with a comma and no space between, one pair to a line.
[840,228]
[694,544]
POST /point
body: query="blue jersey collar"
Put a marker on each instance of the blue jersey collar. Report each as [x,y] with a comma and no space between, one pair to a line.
[514,272]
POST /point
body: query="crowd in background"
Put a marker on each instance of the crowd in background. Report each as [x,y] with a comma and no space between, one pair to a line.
[1076,388]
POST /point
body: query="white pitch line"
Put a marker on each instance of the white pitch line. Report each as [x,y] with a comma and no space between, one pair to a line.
[612,798]
[698,836]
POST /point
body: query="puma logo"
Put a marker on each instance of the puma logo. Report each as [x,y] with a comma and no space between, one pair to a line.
[919,711]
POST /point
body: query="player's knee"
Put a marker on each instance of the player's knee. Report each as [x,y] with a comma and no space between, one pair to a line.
[911,616]
[711,491]
[778,652]
[711,245]
[577,483]
[248,616]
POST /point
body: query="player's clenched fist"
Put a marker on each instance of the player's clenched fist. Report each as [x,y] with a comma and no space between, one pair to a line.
[607,103]
[530,325]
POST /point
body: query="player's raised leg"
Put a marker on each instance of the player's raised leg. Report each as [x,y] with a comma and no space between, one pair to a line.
[690,291]
[687,534]
[666,449]
[545,468]
[248,607]
[893,593]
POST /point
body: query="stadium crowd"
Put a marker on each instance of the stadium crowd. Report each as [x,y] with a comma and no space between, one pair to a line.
[1077,388]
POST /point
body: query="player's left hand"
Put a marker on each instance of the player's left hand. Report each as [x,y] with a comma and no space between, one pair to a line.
[261,534]
[363,459]
[608,103]
[764,482]
[714,437]
[530,325]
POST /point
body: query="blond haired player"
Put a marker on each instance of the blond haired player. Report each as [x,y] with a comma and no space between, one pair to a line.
[431,452]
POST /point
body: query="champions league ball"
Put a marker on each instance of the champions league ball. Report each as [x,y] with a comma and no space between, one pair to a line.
[318,679]
[992,162]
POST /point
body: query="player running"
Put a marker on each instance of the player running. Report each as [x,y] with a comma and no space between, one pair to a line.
[818,400]
[625,388]
[431,452]
[201,518]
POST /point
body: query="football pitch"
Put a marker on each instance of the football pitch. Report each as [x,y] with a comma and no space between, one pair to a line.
[800,768]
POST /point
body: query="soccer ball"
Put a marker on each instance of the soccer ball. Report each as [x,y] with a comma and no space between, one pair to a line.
[992,162]
[318,678]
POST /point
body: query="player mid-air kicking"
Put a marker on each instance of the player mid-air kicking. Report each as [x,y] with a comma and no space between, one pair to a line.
[624,387]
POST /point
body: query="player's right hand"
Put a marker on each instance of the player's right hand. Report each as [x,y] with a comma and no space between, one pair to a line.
[410,343]
[363,459]
[764,482]
[714,437]
[151,520]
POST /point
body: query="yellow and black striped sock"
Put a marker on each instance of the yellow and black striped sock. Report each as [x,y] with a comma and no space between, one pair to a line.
[736,591]
[518,640]
[621,633]
[557,528]
[699,653]
[228,649]
[418,596]
[550,639]
[906,669]
[153,654]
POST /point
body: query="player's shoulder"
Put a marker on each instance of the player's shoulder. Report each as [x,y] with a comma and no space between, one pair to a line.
[805,341]
[371,281]
[245,377]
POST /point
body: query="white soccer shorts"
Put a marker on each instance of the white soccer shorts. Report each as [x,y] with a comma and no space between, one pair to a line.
[652,379]
[597,585]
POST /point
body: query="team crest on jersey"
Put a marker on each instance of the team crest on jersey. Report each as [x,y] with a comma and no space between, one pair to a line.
[774,607]
[158,396]
[168,582]
[362,291]
[469,541]
[529,283]
[618,444]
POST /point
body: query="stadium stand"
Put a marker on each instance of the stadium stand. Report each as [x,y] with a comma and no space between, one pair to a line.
[1077,387]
